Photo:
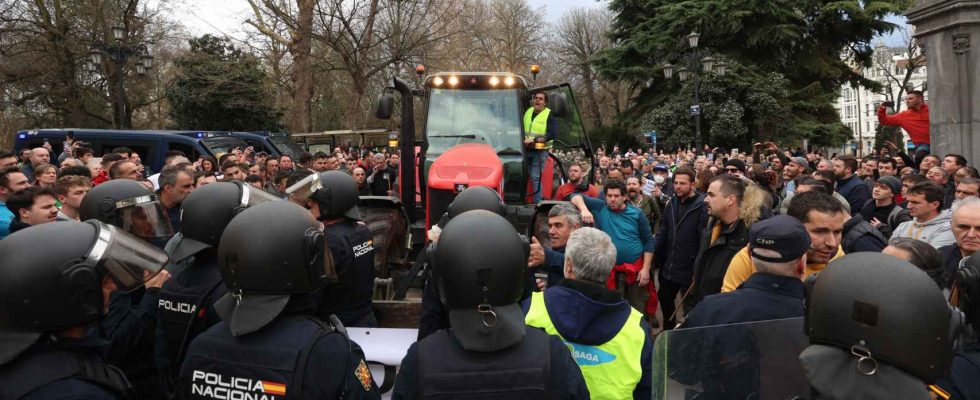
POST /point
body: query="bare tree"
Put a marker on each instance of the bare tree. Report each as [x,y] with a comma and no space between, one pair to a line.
[900,74]
[268,14]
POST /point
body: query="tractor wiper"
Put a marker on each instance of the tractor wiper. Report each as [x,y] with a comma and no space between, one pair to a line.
[456,136]
[509,152]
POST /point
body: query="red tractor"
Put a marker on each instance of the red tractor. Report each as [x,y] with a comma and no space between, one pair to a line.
[471,135]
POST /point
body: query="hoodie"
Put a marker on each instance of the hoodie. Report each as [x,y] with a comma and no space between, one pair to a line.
[937,231]
[591,314]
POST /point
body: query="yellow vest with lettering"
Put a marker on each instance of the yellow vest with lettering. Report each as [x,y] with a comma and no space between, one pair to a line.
[537,126]
[612,369]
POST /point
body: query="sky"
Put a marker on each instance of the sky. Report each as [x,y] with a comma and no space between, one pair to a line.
[225,17]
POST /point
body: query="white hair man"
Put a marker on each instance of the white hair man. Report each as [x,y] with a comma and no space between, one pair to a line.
[606,333]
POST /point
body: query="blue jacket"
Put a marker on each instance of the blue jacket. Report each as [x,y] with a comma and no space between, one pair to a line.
[855,191]
[591,314]
[762,297]
[679,240]
[554,265]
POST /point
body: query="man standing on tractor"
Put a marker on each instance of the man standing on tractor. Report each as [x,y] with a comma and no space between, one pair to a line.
[539,136]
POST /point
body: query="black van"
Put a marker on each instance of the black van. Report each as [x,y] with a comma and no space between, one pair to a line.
[152,146]
[274,143]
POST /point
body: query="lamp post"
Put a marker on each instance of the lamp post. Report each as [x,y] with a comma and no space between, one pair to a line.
[694,62]
[119,53]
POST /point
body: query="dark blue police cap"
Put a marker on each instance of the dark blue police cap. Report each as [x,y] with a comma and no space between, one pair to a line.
[782,234]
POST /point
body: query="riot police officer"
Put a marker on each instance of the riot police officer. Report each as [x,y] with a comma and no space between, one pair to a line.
[332,198]
[863,345]
[434,315]
[186,302]
[269,343]
[51,294]
[130,323]
[478,265]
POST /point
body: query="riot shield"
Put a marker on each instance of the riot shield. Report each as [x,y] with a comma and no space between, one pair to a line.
[757,360]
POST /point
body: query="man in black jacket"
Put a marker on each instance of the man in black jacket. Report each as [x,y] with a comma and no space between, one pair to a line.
[966,229]
[725,235]
[679,241]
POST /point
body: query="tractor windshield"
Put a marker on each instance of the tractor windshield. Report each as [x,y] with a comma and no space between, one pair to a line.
[474,116]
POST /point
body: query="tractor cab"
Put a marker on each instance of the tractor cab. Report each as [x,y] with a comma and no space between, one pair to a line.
[472,134]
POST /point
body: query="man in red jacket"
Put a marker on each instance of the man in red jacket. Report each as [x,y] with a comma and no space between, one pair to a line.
[915,121]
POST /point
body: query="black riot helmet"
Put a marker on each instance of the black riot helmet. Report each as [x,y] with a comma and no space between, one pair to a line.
[862,302]
[129,205]
[51,276]
[335,193]
[478,265]
[968,289]
[477,198]
[207,211]
[267,253]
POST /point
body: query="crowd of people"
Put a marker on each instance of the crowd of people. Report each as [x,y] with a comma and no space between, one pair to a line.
[645,239]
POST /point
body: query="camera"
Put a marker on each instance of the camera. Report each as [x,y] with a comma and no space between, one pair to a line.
[888,104]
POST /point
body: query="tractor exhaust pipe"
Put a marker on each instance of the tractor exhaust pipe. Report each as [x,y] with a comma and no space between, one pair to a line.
[407,147]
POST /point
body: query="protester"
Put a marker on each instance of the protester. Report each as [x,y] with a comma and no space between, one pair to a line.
[594,318]
[930,223]
[71,190]
[882,211]
[32,206]
[778,248]
[823,218]
[679,241]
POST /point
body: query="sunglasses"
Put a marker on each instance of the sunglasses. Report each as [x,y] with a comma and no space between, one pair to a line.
[731,169]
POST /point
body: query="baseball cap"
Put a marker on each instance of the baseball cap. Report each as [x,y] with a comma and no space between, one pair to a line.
[782,234]
[801,161]
[660,167]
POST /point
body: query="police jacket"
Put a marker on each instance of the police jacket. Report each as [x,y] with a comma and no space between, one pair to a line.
[590,315]
[185,310]
[762,297]
[679,239]
[130,327]
[538,368]
[714,258]
[351,245]
[296,356]
[63,368]
[859,236]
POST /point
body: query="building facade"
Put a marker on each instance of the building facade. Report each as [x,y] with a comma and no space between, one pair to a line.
[857,107]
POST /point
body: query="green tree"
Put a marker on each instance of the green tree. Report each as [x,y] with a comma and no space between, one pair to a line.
[803,41]
[220,87]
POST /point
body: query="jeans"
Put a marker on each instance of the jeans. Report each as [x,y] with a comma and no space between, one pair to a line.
[537,160]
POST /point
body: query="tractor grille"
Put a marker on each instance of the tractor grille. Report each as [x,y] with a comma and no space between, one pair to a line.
[438,204]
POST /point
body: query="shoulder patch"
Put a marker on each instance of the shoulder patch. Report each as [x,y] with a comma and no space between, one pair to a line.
[364,375]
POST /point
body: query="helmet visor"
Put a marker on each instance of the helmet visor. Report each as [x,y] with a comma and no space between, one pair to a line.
[145,217]
[252,196]
[306,187]
[129,260]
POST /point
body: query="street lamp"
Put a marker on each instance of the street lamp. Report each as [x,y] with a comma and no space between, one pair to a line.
[119,53]
[693,62]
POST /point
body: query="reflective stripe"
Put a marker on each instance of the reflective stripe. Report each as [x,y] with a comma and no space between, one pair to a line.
[535,126]
[612,369]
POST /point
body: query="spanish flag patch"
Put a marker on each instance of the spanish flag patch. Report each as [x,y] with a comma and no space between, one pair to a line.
[364,376]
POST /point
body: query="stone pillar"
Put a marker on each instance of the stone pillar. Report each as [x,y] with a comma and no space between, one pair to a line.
[949,33]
